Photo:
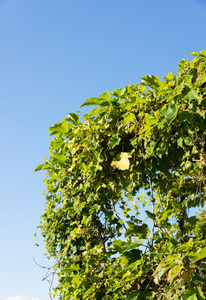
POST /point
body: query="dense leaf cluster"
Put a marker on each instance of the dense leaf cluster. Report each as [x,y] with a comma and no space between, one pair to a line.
[140,149]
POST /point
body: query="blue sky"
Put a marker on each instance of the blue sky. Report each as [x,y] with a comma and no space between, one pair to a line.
[53,56]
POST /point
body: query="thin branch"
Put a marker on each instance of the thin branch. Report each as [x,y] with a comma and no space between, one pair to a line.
[153,199]
[48,275]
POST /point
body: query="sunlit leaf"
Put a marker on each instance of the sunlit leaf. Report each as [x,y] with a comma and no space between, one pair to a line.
[60,158]
[129,118]
[151,81]
[201,254]
[123,163]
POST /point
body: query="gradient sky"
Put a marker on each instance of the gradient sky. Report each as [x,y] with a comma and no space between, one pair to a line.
[53,56]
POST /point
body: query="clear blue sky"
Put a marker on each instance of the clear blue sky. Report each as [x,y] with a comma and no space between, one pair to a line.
[53,56]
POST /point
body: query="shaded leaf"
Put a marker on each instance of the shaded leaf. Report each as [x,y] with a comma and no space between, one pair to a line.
[150,215]
[73,118]
[169,113]
[114,141]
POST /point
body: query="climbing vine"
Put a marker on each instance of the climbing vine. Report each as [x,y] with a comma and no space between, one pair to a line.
[141,149]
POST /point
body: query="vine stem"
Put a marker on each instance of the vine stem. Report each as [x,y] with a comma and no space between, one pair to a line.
[153,199]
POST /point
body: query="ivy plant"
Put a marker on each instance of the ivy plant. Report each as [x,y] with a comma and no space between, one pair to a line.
[140,149]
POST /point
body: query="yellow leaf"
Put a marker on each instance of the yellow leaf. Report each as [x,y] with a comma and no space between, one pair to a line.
[123,163]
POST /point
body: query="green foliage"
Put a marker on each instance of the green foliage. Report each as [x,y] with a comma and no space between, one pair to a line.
[147,137]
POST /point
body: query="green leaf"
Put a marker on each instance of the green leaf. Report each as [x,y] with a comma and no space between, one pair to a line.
[194,53]
[76,280]
[105,96]
[190,294]
[118,246]
[129,118]
[69,269]
[114,141]
[182,64]
[200,254]
[132,255]
[150,215]
[201,54]
[117,92]
[44,166]
[88,220]
[92,101]
[79,206]
[62,127]
[202,79]
[97,101]
[95,208]
[141,196]
[58,157]
[133,243]
[200,293]
[197,279]
[192,297]
[151,81]
[185,116]
[73,118]
[131,297]
[188,141]
[169,113]
[159,272]
[170,76]
[192,95]
[174,272]
[93,112]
